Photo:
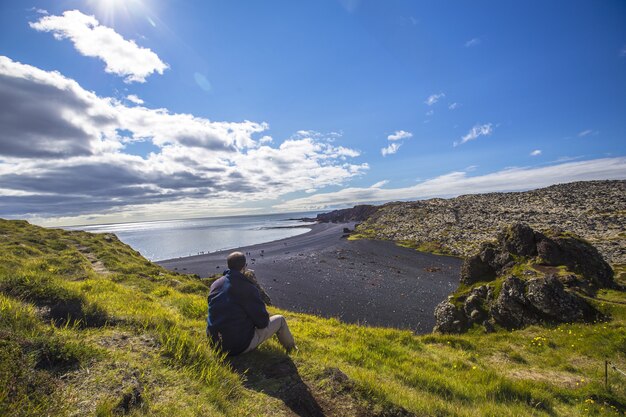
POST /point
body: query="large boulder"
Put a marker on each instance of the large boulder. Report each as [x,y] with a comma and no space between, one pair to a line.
[519,240]
[511,309]
[534,288]
[554,303]
[475,269]
[449,318]
[577,255]
[475,305]
[520,243]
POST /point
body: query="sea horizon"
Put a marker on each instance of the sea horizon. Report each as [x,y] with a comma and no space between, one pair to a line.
[159,240]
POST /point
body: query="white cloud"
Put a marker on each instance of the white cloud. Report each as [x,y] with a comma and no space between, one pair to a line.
[457,183]
[38,11]
[122,57]
[380,184]
[472,42]
[72,161]
[400,134]
[430,112]
[395,145]
[475,132]
[391,149]
[536,152]
[587,133]
[433,98]
[134,99]
[453,106]
[622,52]
[567,158]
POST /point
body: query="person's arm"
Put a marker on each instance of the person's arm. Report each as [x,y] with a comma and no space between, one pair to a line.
[250,300]
[251,276]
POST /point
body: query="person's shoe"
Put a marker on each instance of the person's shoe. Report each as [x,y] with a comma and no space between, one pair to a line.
[294,349]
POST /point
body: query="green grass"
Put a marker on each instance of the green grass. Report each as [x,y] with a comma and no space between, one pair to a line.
[433,247]
[133,342]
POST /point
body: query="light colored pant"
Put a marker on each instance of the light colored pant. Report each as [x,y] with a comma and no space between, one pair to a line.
[278,326]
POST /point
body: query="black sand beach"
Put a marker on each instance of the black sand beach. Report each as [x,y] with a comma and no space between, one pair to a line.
[370,282]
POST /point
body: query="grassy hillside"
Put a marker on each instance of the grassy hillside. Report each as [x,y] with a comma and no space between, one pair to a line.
[88,326]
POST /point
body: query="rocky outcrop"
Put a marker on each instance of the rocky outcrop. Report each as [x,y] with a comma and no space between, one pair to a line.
[450,319]
[577,255]
[539,300]
[354,214]
[594,210]
[520,243]
[528,278]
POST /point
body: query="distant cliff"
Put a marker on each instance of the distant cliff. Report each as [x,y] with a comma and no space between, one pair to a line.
[594,210]
[354,214]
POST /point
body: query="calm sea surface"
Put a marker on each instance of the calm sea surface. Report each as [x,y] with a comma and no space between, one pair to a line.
[168,239]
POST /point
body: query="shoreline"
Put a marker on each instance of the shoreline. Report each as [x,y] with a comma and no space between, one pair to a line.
[229,250]
[319,272]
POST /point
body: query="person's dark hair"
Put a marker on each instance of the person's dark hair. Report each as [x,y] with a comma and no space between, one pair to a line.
[236,261]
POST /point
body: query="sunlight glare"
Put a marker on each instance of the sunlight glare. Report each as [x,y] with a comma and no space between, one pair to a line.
[110,10]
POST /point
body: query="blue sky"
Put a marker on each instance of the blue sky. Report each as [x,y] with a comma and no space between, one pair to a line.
[143,109]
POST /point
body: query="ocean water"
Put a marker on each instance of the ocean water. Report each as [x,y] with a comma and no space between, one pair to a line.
[166,239]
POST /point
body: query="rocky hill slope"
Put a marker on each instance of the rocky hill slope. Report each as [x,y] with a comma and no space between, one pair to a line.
[594,210]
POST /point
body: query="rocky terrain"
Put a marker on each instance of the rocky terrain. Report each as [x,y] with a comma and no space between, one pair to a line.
[354,214]
[594,210]
[526,277]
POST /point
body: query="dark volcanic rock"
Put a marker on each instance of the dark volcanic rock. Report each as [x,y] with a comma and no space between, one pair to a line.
[450,319]
[475,269]
[511,308]
[537,291]
[550,299]
[354,214]
[475,304]
[519,240]
[540,300]
[579,256]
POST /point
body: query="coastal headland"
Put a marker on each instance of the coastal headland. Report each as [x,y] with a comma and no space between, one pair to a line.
[371,282]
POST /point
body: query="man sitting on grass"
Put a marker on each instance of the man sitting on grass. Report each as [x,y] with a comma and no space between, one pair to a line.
[238,321]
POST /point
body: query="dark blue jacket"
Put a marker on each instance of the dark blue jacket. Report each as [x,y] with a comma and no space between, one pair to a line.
[235,310]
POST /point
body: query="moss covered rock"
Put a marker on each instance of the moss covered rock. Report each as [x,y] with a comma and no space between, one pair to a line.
[524,278]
